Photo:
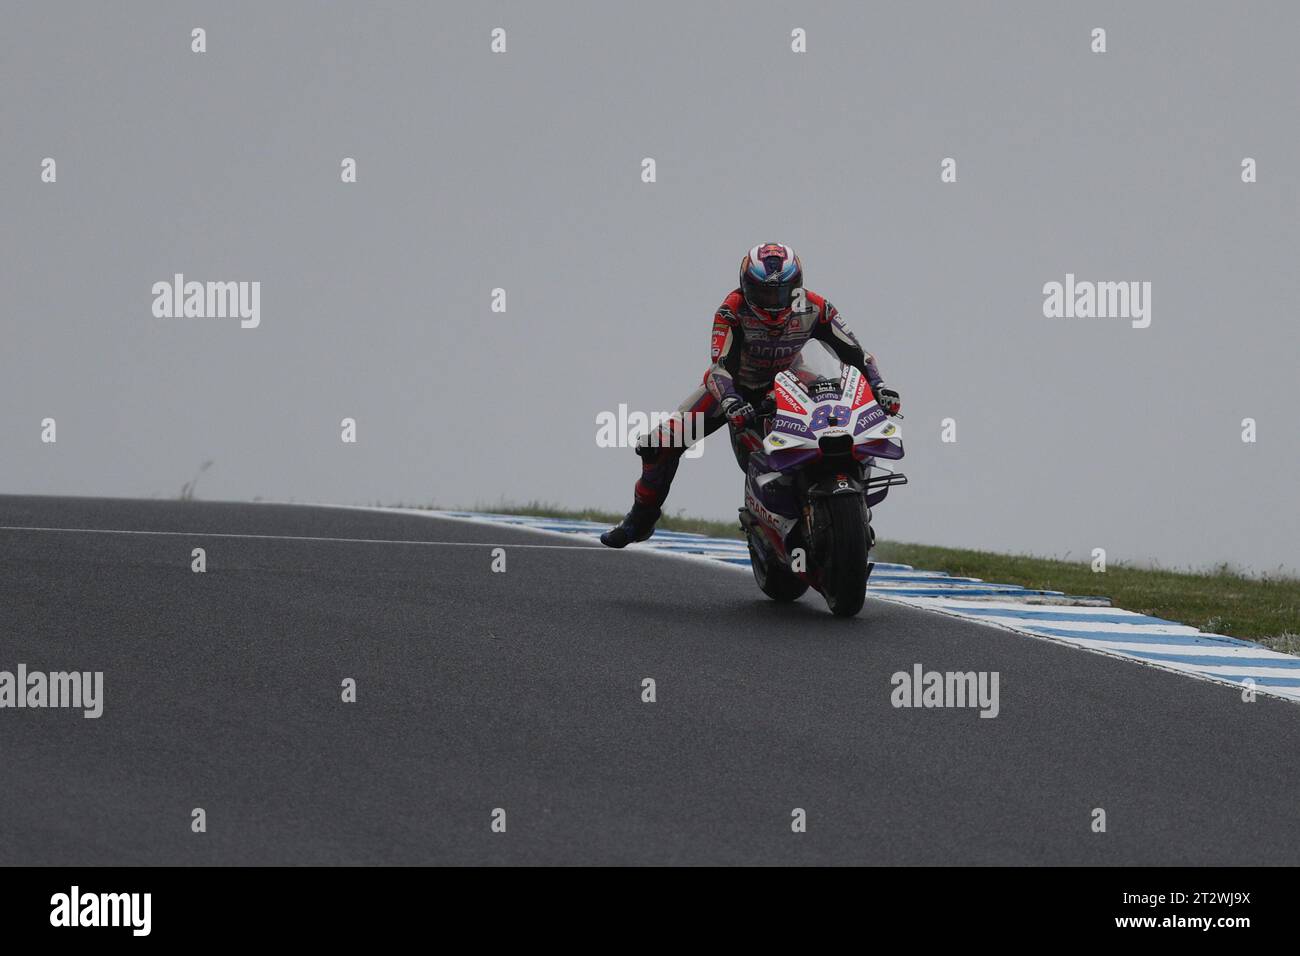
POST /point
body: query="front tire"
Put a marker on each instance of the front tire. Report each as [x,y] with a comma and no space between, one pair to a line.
[773,578]
[844,527]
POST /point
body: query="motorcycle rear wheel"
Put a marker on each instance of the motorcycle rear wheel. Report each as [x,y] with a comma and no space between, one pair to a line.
[774,579]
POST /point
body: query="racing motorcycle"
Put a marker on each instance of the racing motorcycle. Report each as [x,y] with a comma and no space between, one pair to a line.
[812,476]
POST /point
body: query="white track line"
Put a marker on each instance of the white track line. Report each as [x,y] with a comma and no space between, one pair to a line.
[296,537]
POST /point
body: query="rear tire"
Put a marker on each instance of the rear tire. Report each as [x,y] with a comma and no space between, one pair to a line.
[844,529]
[774,579]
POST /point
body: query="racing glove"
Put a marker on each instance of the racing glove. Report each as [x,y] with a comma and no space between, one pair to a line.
[738,411]
[887,398]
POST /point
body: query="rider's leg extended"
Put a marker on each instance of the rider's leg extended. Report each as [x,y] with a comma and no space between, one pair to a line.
[660,453]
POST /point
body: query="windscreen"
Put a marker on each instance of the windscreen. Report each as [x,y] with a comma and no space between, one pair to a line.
[815,361]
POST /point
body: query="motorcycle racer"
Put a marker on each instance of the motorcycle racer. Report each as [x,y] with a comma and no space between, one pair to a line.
[758,332]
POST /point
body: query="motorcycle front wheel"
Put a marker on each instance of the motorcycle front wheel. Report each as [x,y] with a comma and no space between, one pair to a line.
[842,526]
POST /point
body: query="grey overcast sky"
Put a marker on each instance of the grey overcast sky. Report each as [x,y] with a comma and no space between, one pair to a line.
[522,170]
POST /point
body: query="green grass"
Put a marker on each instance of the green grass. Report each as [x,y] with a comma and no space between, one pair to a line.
[1257,609]
[1264,609]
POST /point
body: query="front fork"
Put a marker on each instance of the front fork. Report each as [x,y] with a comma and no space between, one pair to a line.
[851,481]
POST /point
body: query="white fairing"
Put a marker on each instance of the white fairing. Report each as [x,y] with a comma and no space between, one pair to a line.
[794,403]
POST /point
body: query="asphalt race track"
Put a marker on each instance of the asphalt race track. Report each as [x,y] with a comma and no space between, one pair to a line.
[522,690]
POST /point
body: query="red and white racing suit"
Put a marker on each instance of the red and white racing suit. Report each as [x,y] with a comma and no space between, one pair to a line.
[748,353]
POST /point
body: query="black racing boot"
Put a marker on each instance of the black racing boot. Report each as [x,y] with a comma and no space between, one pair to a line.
[638,524]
